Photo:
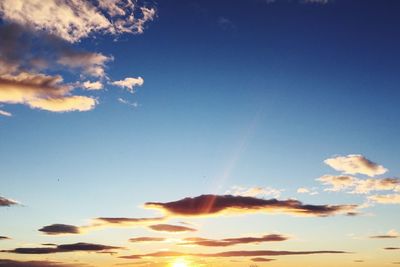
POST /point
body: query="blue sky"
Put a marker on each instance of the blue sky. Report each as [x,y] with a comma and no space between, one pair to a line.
[235,93]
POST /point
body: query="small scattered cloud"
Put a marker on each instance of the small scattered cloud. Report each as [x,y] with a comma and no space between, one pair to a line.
[5,113]
[4,237]
[97,85]
[171,228]
[206,205]
[126,102]
[62,248]
[389,235]
[146,239]
[129,83]
[58,229]
[6,202]
[92,64]
[232,241]
[355,164]
[309,191]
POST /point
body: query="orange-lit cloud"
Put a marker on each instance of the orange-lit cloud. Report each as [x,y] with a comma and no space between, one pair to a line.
[216,204]
[386,199]
[43,92]
[232,241]
[171,228]
[146,239]
[355,164]
[129,83]
[259,259]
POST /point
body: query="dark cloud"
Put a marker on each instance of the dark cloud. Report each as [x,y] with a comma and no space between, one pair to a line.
[239,253]
[383,237]
[146,239]
[392,248]
[62,248]
[215,204]
[232,241]
[259,259]
[57,229]
[128,221]
[14,263]
[171,228]
[4,237]
[5,202]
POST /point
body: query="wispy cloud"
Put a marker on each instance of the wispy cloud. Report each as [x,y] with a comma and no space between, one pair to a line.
[389,234]
[6,202]
[227,204]
[232,241]
[385,199]
[16,263]
[256,191]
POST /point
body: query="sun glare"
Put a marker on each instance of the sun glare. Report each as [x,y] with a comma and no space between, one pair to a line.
[180,263]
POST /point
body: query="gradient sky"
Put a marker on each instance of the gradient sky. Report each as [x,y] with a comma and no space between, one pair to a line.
[242,101]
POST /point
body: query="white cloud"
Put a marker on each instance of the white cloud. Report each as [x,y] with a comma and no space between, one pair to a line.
[355,164]
[92,85]
[5,113]
[73,20]
[310,191]
[254,191]
[126,102]
[129,83]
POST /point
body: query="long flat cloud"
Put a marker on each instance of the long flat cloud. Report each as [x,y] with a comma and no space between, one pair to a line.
[15,263]
[171,228]
[216,204]
[56,229]
[62,248]
[238,253]
[232,241]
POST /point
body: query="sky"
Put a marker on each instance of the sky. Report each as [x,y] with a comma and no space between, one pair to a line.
[184,133]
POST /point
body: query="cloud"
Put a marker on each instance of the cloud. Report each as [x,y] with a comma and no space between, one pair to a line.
[232,241]
[62,248]
[42,92]
[259,259]
[227,204]
[146,239]
[6,202]
[92,64]
[392,248]
[123,221]
[254,191]
[239,253]
[126,102]
[92,85]
[57,229]
[5,113]
[4,238]
[73,20]
[385,199]
[389,235]
[15,263]
[129,83]
[355,164]
[304,190]
[171,228]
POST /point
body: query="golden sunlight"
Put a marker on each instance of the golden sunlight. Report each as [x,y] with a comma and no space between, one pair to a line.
[180,263]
